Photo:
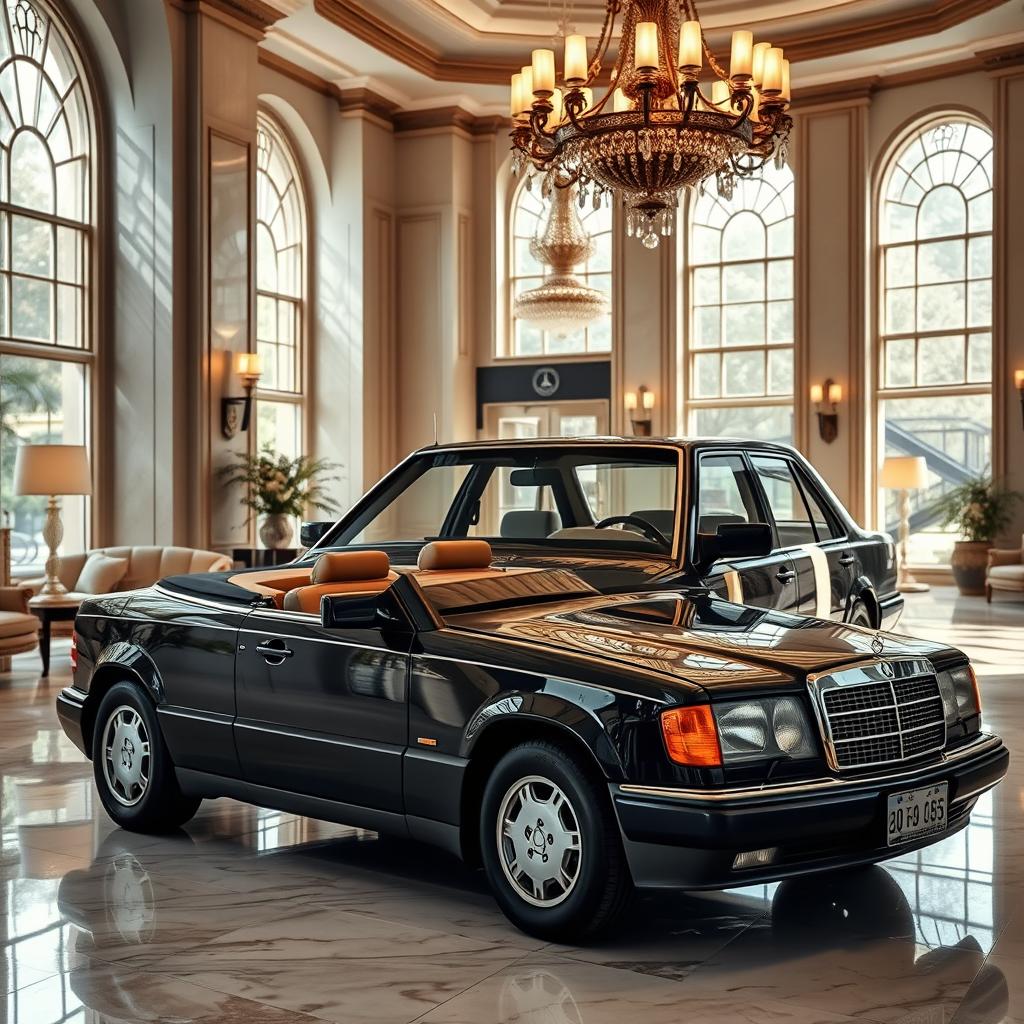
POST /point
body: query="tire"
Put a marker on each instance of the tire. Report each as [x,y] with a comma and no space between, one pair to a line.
[136,782]
[582,885]
[860,615]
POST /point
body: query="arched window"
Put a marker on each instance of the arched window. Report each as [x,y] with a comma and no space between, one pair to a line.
[739,341]
[935,331]
[280,292]
[529,217]
[46,253]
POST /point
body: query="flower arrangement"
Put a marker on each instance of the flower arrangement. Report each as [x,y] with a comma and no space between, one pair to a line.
[278,486]
[978,509]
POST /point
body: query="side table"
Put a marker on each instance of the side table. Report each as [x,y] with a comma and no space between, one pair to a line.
[49,609]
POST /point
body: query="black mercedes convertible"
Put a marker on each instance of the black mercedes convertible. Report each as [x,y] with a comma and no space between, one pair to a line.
[575,743]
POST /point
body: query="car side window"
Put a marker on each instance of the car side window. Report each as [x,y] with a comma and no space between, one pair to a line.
[824,524]
[793,524]
[724,493]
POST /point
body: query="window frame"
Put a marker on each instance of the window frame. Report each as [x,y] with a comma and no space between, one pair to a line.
[691,404]
[92,316]
[898,145]
[268,121]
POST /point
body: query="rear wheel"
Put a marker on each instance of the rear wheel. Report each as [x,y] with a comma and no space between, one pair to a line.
[550,844]
[860,615]
[134,773]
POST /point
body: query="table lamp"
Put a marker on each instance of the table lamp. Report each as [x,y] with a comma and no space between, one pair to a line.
[905,473]
[52,470]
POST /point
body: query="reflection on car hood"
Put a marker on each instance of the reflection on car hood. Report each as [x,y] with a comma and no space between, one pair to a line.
[695,636]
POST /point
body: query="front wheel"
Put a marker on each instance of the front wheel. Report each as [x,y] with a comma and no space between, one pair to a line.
[860,615]
[133,770]
[550,844]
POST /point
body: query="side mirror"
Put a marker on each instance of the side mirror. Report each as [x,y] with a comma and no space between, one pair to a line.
[368,611]
[310,533]
[733,540]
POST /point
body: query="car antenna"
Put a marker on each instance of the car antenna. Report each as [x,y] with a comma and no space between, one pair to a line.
[435,428]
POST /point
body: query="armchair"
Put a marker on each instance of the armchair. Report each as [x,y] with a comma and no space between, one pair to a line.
[19,628]
[1005,570]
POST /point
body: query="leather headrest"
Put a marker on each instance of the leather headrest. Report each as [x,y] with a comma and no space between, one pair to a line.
[349,566]
[455,554]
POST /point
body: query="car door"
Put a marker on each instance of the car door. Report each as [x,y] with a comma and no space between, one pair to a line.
[823,577]
[322,711]
[833,540]
[727,493]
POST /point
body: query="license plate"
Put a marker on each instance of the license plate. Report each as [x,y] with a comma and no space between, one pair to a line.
[916,812]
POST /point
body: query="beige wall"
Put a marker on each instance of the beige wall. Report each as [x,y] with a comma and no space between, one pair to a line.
[408,251]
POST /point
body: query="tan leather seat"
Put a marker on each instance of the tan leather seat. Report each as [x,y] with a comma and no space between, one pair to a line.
[454,554]
[341,572]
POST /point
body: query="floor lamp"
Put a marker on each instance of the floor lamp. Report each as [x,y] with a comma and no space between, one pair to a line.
[52,470]
[905,473]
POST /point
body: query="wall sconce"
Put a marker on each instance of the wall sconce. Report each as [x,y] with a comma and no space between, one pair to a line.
[247,366]
[639,406]
[828,422]
[1018,380]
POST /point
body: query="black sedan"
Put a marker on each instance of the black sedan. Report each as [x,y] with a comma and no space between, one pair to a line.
[750,520]
[574,743]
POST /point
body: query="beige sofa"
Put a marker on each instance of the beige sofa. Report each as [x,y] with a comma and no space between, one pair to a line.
[146,565]
[1005,570]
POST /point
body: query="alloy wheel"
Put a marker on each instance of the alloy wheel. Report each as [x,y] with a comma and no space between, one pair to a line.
[539,841]
[126,760]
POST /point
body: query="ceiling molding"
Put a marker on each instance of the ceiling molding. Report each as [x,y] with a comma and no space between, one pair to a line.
[449,117]
[255,16]
[886,29]
[364,100]
[294,71]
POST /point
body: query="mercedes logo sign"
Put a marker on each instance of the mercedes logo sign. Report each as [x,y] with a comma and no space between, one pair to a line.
[546,381]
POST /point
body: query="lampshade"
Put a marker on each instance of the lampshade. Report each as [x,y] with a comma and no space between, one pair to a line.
[904,472]
[52,469]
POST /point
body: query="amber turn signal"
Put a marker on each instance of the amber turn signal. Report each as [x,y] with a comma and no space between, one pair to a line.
[690,736]
[975,687]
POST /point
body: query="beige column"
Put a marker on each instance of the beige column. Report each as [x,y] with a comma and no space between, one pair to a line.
[1008,308]
[830,167]
[214,48]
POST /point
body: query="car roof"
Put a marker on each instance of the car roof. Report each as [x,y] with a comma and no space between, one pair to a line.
[685,443]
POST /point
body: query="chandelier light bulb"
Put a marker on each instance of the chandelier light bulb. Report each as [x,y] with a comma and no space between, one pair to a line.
[785,94]
[741,63]
[691,46]
[772,81]
[575,60]
[516,103]
[543,73]
[757,65]
[646,49]
[526,86]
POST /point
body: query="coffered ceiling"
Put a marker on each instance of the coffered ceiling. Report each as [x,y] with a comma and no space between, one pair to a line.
[421,51]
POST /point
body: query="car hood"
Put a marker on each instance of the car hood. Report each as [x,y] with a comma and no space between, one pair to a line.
[696,637]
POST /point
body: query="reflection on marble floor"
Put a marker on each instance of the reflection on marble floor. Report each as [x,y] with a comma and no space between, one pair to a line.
[256,916]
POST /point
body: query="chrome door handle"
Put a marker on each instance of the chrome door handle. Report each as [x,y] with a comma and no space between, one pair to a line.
[785,575]
[274,651]
[847,559]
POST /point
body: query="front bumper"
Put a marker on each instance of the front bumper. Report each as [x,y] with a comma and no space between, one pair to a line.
[70,706]
[676,838]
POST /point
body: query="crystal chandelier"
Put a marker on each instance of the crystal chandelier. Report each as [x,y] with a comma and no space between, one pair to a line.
[562,303]
[656,130]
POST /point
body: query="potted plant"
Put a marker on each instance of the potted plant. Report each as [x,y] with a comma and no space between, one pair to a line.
[279,489]
[979,510]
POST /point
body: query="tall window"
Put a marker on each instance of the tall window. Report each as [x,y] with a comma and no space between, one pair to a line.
[739,352]
[46,243]
[935,335]
[529,217]
[280,291]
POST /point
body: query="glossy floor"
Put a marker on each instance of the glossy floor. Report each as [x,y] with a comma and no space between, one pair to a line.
[256,916]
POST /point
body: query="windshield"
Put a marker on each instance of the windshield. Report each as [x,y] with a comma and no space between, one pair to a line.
[571,495]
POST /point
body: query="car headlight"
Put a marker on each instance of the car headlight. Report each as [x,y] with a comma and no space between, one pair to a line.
[959,690]
[768,728]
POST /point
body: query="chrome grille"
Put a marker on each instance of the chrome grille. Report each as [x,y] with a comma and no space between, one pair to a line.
[880,712]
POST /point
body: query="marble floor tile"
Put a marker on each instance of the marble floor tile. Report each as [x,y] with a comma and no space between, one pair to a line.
[996,994]
[561,991]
